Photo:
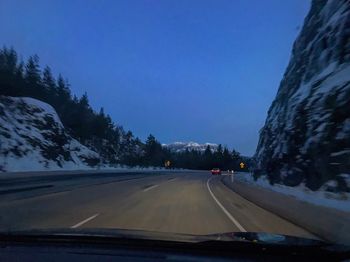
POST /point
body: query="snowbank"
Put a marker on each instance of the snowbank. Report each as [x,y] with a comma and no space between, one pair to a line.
[301,192]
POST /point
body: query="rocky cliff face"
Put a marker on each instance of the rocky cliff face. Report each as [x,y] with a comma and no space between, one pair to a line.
[33,138]
[306,137]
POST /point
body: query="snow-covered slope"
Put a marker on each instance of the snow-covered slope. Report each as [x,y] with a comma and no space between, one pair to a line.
[182,146]
[33,138]
[306,137]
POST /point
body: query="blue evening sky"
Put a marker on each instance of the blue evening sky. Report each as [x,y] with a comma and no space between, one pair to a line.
[183,70]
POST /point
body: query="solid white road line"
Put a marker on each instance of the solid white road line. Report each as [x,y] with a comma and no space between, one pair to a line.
[233,220]
[149,188]
[85,221]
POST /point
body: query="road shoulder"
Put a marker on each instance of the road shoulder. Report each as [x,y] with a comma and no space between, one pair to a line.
[329,224]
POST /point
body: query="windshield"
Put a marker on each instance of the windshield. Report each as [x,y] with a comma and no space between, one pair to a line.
[176,117]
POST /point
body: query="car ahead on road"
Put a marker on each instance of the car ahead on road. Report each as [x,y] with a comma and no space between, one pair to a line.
[216,171]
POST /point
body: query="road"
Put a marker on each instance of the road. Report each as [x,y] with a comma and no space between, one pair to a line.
[183,202]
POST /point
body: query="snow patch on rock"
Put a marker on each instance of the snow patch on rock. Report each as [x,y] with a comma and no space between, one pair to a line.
[33,138]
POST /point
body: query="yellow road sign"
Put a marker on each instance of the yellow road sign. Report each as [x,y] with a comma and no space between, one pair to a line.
[167,163]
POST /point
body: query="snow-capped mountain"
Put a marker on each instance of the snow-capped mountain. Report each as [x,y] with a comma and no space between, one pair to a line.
[183,146]
[33,138]
[306,137]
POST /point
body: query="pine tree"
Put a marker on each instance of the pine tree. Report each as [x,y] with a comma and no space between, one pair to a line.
[153,152]
[33,78]
[48,80]
[8,72]
[63,92]
[84,101]
[49,84]
[226,159]
[19,82]
[20,72]
[10,60]
[102,112]
[218,157]
[207,158]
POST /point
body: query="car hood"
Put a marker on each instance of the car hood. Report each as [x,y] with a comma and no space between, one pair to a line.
[225,242]
[254,237]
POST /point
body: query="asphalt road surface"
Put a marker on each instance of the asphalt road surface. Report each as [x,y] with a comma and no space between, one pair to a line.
[183,202]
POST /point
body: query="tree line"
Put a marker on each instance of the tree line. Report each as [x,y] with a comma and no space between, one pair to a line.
[95,129]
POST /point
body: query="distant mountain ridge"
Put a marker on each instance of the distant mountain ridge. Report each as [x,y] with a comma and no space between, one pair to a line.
[182,146]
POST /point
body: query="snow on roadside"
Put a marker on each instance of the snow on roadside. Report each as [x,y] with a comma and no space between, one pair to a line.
[301,192]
